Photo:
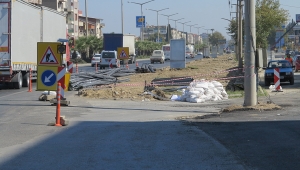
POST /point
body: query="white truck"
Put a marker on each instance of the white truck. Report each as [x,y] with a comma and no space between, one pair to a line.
[22,25]
[189,50]
[166,48]
[129,41]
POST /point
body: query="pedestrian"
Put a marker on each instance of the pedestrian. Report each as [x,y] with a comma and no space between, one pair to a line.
[288,58]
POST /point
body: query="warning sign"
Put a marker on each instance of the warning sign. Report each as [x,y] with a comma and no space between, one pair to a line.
[123,53]
[49,57]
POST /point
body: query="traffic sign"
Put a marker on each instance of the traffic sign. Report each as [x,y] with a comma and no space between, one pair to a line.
[46,78]
[48,55]
[123,53]
[297,17]
[140,21]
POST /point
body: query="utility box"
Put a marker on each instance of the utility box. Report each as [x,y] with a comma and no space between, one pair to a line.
[177,53]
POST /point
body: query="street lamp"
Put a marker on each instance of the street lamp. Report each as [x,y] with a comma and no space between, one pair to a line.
[191,27]
[226,19]
[198,29]
[212,31]
[122,17]
[142,30]
[168,24]
[183,23]
[176,21]
[157,20]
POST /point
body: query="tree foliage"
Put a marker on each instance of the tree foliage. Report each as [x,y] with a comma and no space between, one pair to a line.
[92,43]
[269,16]
[147,47]
[215,37]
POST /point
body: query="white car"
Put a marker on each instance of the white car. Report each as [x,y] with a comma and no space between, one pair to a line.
[108,59]
[95,59]
[157,56]
[199,53]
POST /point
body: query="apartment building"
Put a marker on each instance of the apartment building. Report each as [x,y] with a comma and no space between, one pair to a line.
[69,7]
[95,26]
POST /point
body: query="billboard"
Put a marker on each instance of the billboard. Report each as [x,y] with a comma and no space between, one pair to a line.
[297,17]
[140,21]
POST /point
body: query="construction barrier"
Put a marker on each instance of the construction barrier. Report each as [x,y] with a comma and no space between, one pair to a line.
[67,81]
[70,66]
[277,79]
[76,68]
[58,97]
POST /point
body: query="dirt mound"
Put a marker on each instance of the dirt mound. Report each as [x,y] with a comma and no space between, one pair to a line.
[259,107]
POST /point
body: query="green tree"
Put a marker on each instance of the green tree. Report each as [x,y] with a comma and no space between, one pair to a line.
[215,37]
[93,43]
[269,16]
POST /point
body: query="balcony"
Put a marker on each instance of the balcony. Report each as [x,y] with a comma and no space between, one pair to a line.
[70,21]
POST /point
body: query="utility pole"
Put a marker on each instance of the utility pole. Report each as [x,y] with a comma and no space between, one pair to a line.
[176,21]
[157,11]
[122,17]
[250,98]
[240,33]
[86,21]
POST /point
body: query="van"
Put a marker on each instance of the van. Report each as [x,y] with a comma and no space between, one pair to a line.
[157,56]
[108,59]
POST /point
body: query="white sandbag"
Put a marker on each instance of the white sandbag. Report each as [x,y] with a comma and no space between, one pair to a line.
[193,96]
[217,84]
[188,99]
[202,85]
[224,93]
[53,93]
[209,92]
[193,92]
[197,100]
[216,91]
[201,90]
[210,85]
[220,88]
[203,96]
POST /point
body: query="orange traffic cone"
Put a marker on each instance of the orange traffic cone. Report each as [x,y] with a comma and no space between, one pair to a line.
[136,64]
[127,66]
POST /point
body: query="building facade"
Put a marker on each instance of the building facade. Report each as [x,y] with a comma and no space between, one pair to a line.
[69,7]
[95,26]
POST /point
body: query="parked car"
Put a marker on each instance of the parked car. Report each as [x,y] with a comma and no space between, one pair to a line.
[296,62]
[157,56]
[95,59]
[200,53]
[285,71]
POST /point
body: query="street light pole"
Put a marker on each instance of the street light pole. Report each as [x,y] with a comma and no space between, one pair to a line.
[122,17]
[183,23]
[176,21]
[157,11]
[191,31]
[199,32]
[142,29]
[86,20]
[168,25]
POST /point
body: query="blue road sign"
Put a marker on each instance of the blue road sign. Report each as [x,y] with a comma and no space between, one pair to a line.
[140,21]
[48,78]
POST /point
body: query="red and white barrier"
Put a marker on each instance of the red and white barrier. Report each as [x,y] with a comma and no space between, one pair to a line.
[277,79]
[58,96]
[61,79]
[70,66]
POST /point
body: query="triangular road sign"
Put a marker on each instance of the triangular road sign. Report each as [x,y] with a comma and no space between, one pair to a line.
[123,54]
[49,57]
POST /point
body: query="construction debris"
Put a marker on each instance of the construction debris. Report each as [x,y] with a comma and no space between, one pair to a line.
[102,77]
[145,68]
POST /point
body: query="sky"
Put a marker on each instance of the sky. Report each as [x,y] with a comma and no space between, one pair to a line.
[206,13]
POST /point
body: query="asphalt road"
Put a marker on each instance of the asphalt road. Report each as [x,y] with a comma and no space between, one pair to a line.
[105,134]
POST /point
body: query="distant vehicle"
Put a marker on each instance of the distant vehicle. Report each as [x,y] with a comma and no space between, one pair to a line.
[206,52]
[199,53]
[108,59]
[296,62]
[166,48]
[157,56]
[285,71]
[189,51]
[96,59]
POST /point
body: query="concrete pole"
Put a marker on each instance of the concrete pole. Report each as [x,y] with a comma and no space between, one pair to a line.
[142,29]
[122,17]
[240,33]
[157,28]
[238,30]
[86,20]
[250,76]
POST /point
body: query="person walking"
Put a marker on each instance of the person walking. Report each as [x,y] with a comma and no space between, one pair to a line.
[288,58]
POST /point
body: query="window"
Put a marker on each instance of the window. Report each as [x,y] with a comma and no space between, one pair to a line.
[108,55]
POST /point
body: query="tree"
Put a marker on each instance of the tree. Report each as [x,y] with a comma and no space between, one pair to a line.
[215,37]
[269,16]
[92,42]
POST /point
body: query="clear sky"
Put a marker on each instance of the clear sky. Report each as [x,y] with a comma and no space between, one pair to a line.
[207,13]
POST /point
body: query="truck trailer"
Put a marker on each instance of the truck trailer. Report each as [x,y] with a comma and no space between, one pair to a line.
[111,42]
[22,25]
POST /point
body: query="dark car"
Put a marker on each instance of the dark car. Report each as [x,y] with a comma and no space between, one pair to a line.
[285,71]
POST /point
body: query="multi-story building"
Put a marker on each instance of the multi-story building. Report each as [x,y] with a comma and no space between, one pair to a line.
[70,7]
[151,30]
[95,26]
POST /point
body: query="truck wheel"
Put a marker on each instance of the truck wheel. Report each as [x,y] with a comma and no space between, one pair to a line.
[267,82]
[26,80]
[19,83]
[292,81]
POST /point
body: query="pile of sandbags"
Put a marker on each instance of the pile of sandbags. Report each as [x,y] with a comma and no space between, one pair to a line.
[201,91]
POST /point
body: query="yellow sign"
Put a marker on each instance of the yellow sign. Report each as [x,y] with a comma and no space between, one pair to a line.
[46,78]
[123,53]
[47,54]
